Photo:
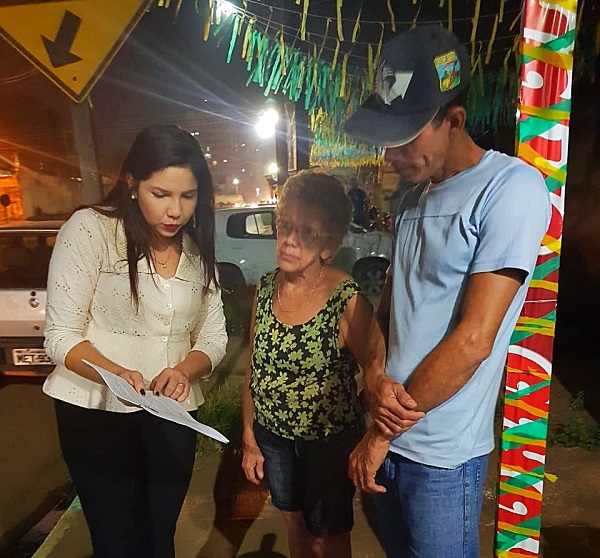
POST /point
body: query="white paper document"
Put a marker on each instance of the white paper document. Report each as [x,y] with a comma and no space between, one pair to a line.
[161,406]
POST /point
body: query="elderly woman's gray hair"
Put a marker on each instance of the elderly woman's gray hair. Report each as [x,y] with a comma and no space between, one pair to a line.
[323,193]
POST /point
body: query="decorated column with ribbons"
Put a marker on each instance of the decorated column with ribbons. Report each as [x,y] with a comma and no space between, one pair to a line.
[548,36]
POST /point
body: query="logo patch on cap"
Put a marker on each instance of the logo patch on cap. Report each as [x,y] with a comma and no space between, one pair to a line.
[448,69]
[390,84]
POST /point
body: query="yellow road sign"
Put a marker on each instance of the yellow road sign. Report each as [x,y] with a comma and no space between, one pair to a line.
[70,41]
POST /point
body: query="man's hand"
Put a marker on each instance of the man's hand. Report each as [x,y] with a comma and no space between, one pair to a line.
[252,463]
[393,410]
[366,459]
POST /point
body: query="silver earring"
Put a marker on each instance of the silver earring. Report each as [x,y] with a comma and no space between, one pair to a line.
[133,197]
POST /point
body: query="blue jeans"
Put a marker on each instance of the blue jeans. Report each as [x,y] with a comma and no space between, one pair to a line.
[429,512]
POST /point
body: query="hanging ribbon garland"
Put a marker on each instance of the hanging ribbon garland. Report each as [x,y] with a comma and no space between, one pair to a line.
[338,11]
[328,89]
[276,66]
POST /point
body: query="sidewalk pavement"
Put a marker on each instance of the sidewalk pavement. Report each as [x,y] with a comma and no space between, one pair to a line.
[34,475]
[224,516]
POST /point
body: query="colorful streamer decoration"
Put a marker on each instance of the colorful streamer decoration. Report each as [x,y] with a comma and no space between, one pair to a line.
[548,38]
[329,91]
[302,71]
[339,86]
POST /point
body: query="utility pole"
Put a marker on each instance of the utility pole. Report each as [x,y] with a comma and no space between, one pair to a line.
[81,115]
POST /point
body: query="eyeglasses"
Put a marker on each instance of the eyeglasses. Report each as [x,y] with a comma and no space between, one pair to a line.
[306,235]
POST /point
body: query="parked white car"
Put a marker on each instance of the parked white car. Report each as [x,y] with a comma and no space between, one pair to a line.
[25,249]
[245,249]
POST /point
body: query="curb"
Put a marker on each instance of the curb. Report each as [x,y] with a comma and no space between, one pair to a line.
[63,526]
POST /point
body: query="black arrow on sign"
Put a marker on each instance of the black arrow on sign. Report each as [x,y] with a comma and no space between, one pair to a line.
[59,50]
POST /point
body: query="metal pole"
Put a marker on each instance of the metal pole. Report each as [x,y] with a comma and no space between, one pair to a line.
[547,41]
[81,114]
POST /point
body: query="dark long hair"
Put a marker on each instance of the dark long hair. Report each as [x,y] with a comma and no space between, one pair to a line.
[154,149]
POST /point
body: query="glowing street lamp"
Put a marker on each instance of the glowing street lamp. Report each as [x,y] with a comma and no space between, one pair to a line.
[267,121]
[225,8]
[272,176]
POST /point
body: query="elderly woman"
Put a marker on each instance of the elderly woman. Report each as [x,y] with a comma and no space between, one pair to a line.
[311,330]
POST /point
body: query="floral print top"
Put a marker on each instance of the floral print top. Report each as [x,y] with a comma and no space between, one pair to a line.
[302,383]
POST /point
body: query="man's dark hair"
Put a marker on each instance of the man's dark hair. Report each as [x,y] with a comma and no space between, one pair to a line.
[458,101]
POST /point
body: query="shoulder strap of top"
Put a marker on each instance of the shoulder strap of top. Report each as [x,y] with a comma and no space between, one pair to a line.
[266,281]
[264,292]
[342,294]
[338,303]
[346,289]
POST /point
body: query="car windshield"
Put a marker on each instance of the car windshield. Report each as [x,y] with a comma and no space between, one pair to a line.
[24,259]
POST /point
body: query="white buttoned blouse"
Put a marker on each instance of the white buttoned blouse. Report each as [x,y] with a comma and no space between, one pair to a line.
[89,299]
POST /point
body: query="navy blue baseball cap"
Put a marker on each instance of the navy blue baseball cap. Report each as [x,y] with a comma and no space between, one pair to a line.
[421,70]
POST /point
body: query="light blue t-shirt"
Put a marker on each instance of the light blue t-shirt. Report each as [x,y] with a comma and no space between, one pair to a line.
[486,218]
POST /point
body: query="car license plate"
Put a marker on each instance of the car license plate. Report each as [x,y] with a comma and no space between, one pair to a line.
[27,357]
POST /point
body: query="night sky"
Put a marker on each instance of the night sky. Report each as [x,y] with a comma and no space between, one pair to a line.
[165,70]
[163,73]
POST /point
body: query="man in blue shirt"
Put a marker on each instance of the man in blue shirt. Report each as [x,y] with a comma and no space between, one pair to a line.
[466,240]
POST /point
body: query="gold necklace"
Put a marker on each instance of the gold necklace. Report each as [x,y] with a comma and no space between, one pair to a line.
[309,295]
[157,261]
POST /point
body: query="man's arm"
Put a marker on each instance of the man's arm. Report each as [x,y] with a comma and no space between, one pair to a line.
[388,403]
[450,365]
[442,373]
[445,370]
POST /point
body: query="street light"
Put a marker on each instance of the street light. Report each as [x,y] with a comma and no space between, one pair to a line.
[267,121]
[225,8]
[272,176]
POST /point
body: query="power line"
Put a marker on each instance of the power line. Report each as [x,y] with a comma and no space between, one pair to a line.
[19,77]
[379,23]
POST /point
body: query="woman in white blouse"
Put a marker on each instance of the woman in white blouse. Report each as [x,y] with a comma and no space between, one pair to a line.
[132,287]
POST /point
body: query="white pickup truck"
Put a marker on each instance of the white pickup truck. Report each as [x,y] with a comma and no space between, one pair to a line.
[245,249]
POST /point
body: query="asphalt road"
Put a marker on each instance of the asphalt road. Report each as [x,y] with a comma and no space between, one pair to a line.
[33,475]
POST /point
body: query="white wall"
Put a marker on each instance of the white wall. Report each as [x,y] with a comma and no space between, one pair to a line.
[51,194]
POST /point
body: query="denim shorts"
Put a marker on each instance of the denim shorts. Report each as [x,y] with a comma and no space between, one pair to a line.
[429,512]
[311,477]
